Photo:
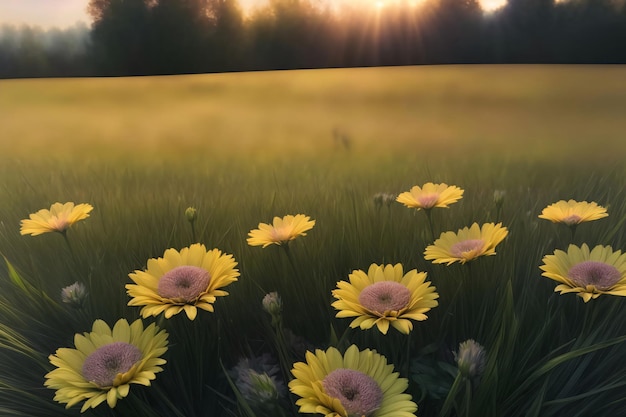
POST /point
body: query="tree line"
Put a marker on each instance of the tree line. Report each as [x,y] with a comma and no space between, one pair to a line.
[146,37]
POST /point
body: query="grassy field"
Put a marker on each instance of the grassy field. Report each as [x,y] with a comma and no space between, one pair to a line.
[243,148]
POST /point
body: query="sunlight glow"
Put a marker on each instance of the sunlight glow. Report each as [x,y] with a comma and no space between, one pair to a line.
[370,4]
[489,6]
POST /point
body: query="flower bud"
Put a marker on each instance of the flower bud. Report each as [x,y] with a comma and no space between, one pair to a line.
[273,305]
[74,295]
[498,197]
[191,214]
[381,199]
[262,387]
[471,359]
[258,381]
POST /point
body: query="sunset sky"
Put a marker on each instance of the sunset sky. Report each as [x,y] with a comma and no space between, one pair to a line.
[64,13]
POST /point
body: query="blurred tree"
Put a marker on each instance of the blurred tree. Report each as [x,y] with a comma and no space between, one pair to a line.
[289,34]
[592,31]
[9,51]
[120,36]
[225,49]
[133,37]
[454,32]
[530,29]
[176,30]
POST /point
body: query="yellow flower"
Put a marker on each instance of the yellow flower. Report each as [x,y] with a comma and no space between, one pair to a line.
[281,231]
[467,244]
[385,296]
[105,363]
[587,273]
[573,212]
[58,219]
[185,280]
[359,383]
[430,195]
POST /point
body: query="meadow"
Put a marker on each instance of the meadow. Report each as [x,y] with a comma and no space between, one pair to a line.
[243,148]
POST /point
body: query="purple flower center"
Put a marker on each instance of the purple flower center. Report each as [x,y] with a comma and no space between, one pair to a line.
[106,362]
[428,200]
[572,219]
[184,284]
[357,392]
[385,296]
[600,275]
[467,249]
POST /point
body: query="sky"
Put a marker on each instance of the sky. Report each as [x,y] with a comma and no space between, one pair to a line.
[45,13]
[65,13]
[57,13]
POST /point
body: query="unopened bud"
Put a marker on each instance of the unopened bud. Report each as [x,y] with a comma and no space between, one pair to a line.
[191,214]
[273,305]
[498,197]
[381,199]
[74,295]
[471,359]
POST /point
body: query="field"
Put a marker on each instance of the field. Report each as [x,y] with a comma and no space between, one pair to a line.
[243,148]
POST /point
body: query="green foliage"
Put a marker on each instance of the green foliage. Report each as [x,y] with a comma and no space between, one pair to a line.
[547,355]
[433,376]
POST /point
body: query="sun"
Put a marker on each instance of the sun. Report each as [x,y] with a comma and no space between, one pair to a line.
[370,4]
[489,6]
[380,4]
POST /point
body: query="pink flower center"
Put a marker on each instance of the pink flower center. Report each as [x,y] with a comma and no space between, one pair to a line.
[428,200]
[184,283]
[598,274]
[572,219]
[59,224]
[385,296]
[281,234]
[467,249]
[357,392]
[106,362]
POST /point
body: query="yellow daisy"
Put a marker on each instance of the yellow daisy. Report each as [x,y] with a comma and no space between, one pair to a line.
[430,195]
[467,244]
[587,273]
[359,383]
[105,362]
[385,296]
[58,219]
[281,231]
[185,280]
[573,212]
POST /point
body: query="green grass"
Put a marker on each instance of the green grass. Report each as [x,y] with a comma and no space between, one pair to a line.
[243,148]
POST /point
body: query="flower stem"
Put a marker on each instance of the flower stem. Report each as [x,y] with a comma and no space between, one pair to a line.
[408,354]
[67,242]
[289,256]
[75,268]
[284,355]
[430,224]
[450,400]
[468,396]
[193,233]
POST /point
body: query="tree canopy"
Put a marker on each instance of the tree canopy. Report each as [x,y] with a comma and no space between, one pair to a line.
[143,37]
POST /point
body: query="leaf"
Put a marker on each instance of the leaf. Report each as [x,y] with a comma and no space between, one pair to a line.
[16,278]
[240,399]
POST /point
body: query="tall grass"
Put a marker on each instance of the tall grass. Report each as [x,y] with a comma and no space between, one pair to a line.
[243,148]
